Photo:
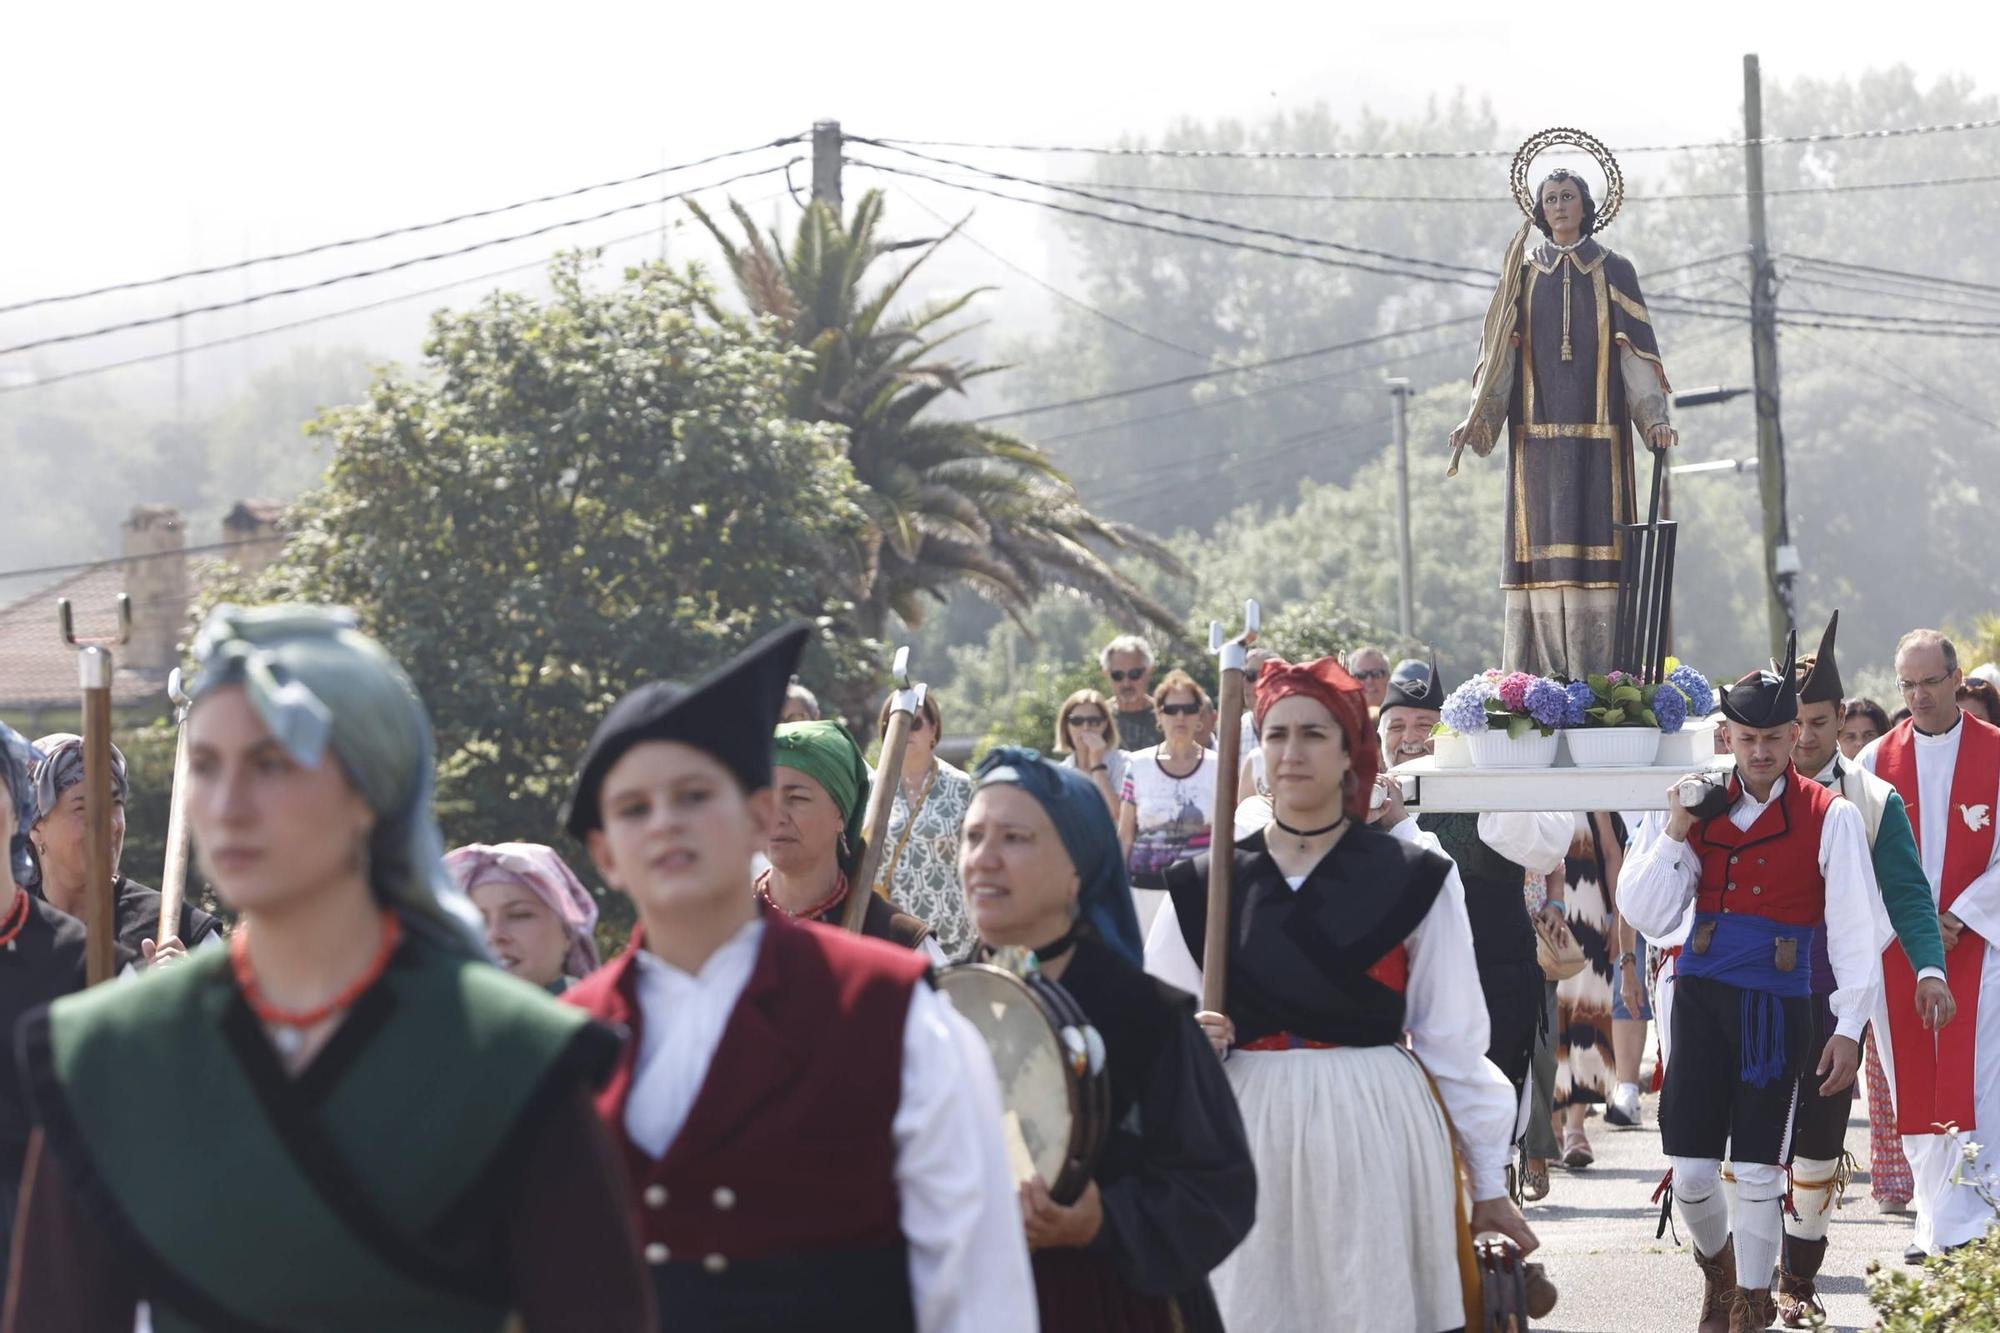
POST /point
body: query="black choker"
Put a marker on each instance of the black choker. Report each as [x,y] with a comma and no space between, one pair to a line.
[1308,832]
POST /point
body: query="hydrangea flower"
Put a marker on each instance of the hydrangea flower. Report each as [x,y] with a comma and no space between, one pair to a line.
[1465,711]
[1513,691]
[1670,707]
[1579,696]
[1700,694]
[1547,702]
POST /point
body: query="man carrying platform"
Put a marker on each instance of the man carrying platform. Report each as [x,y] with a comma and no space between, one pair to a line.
[1785,858]
[1819,1133]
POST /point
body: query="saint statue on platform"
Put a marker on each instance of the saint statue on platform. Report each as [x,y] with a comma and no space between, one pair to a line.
[1568,359]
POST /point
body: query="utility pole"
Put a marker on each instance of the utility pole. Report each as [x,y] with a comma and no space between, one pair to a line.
[1406,618]
[1781,558]
[826,164]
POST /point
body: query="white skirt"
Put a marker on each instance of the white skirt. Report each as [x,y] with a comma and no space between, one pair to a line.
[1356,1197]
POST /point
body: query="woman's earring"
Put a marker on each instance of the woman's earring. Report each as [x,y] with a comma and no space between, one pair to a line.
[846,851]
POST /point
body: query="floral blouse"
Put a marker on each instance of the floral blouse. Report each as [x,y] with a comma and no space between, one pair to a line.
[925,875]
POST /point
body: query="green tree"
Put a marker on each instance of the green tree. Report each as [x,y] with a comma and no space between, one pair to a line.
[568,498]
[950,503]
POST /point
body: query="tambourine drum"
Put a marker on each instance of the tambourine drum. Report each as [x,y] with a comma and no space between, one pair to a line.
[1054,1094]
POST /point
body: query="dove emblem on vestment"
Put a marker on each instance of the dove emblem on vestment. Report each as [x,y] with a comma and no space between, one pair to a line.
[1976,817]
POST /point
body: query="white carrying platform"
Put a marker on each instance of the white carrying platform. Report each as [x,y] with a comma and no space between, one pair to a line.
[1453,790]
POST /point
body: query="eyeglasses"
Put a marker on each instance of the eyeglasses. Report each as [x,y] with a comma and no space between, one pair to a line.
[1373,673]
[1927,683]
[1136,673]
[1180,710]
[1086,720]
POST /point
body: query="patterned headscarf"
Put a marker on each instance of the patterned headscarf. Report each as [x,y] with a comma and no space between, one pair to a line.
[1327,681]
[548,876]
[17,785]
[319,685]
[1104,895]
[826,753]
[61,768]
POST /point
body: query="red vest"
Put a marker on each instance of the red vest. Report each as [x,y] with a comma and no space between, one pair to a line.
[788,1148]
[1770,869]
[1934,1069]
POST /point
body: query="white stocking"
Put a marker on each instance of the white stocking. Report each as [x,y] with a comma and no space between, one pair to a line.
[1698,1191]
[1760,1223]
[1816,1185]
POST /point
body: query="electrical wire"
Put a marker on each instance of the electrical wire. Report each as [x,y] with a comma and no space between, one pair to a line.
[256,297]
[86,372]
[1439,154]
[1924,279]
[326,246]
[1249,463]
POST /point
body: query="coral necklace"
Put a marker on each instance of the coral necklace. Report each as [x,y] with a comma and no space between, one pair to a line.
[17,917]
[289,1027]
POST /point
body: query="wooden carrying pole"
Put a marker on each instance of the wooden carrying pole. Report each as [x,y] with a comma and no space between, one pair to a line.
[903,706]
[173,877]
[94,671]
[1222,843]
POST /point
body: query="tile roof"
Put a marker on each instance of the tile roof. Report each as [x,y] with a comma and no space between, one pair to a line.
[38,670]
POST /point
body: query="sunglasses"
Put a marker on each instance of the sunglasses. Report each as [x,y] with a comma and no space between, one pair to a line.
[1373,673]
[1180,710]
[1136,673]
[1084,720]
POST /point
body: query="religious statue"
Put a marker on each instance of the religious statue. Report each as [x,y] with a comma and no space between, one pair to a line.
[1569,359]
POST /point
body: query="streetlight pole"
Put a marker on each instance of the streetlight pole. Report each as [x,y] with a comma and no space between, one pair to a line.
[1406,616]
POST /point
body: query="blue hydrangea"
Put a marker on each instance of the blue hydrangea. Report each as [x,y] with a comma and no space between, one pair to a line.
[1465,711]
[1670,707]
[1700,694]
[1547,702]
[1579,696]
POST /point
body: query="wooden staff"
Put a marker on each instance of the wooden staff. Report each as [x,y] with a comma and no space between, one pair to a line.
[173,878]
[94,673]
[1222,842]
[903,706]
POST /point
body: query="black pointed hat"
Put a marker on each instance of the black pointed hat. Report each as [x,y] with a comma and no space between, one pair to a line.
[1414,684]
[1820,682]
[1766,698]
[731,713]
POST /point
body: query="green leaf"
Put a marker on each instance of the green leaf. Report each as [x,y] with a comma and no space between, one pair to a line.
[1518,727]
[1626,694]
[1600,684]
[1651,720]
[1614,717]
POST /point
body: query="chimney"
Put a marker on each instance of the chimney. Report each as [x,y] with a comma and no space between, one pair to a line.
[251,528]
[156,579]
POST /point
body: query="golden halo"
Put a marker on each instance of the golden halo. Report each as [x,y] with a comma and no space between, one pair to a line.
[1537,144]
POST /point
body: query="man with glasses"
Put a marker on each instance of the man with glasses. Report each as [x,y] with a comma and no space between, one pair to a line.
[1127,662]
[1946,766]
[1370,665]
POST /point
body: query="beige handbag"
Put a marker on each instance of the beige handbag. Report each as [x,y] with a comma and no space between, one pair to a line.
[1557,950]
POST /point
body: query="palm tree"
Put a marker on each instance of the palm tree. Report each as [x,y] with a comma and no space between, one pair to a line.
[951,503]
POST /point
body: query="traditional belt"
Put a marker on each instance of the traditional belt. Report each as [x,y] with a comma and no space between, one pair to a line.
[1286,1041]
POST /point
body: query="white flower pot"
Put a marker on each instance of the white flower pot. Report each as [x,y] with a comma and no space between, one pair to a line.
[1496,749]
[1690,747]
[1451,751]
[1613,747]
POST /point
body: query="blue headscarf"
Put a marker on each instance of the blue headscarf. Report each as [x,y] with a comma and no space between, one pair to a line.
[17,784]
[1104,896]
[320,685]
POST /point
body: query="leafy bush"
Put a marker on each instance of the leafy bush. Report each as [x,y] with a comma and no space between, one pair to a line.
[1955,1293]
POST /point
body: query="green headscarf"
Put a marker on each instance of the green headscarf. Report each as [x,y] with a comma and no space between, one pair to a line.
[826,753]
[321,685]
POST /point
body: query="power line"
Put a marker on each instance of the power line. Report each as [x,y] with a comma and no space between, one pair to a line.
[324,247]
[1179,216]
[1254,461]
[83,566]
[1864,320]
[1811,277]
[1436,154]
[170,353]
[1925,279]
[337,279]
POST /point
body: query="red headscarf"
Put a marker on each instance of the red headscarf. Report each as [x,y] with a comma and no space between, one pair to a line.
[1327,681]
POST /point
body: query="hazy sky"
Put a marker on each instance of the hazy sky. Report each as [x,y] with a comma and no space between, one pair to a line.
[144,138]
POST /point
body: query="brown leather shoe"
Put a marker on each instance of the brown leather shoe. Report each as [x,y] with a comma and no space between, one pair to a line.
[1750,1311]
[1798,1297]
[1541,1291]
[1718,1275]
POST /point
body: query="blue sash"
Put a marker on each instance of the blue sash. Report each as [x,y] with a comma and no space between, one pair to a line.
[1742,952]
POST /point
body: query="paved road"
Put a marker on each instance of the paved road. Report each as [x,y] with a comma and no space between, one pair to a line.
[1597,1240]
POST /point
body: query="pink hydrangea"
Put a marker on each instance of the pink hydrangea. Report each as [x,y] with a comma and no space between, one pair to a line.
[1514,691]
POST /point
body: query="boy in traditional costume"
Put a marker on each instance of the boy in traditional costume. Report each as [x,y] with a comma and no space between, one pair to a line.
[1787,858]
[406,1138]
[812,1135]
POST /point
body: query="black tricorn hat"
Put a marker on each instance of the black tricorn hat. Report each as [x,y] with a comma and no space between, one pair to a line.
[1414,684]
[1820,682]
[731,713]
[1766,699]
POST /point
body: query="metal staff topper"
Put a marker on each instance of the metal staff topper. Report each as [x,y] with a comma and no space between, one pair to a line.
[94,674]
[903,706]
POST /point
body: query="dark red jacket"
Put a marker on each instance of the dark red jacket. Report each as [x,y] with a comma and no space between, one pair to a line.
[1770,869]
